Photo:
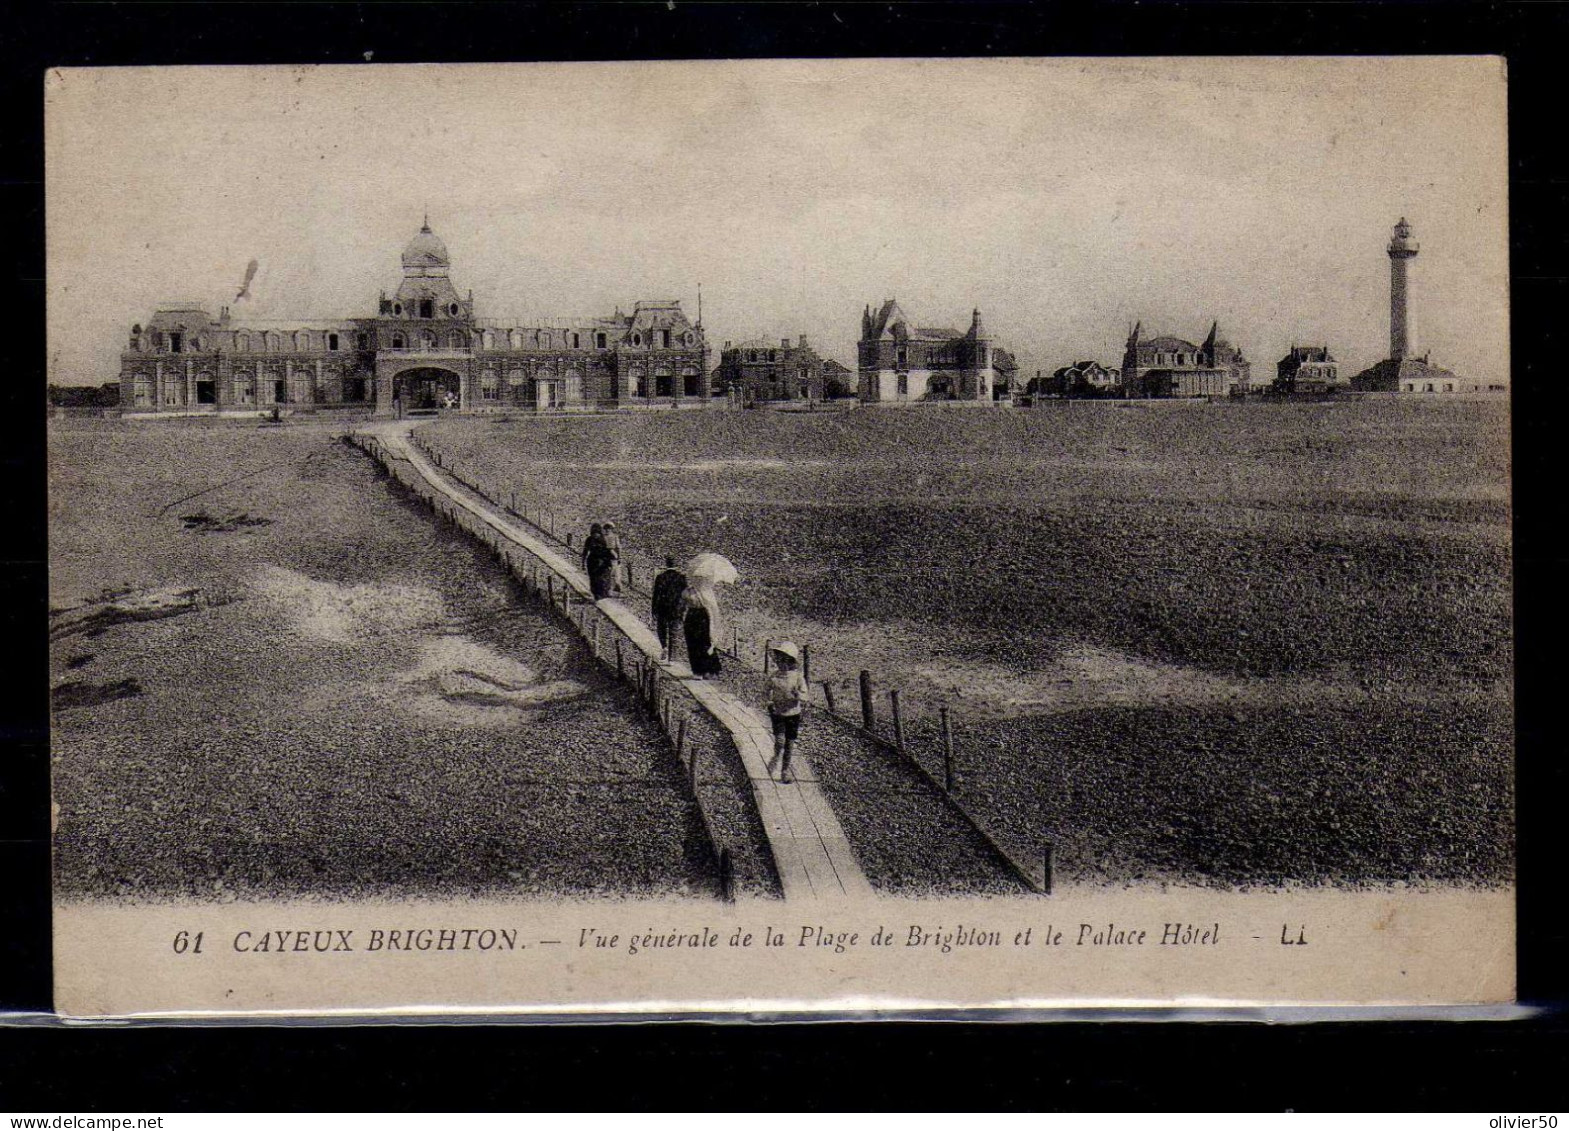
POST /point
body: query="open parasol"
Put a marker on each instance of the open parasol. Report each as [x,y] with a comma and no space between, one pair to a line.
[712,567]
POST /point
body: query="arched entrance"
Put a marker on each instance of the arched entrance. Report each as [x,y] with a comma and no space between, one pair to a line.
[426,387]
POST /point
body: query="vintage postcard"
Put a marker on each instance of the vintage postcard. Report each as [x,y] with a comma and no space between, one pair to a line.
[766,536]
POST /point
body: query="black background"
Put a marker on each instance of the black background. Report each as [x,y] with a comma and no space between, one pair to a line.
[1480,1066]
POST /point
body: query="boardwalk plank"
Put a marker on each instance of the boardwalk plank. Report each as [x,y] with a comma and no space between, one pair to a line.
[811,854]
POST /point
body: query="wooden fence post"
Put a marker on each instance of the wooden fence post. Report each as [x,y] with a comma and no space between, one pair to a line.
[767,647]
[947,749]
[828,694]
[868,709]
[806,664]
[898,721]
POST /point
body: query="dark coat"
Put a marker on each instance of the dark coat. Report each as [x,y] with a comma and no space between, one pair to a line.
[668,587]
[597,556]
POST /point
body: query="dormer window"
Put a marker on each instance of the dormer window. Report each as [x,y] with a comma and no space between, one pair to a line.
[691,338]
[332,343]
[176,342]
[574,340]
[637,338]
[452,309]
[398,341]
[427,308]
[600,340]
[196,344]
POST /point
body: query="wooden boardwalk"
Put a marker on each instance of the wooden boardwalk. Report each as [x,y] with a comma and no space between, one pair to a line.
[810,851]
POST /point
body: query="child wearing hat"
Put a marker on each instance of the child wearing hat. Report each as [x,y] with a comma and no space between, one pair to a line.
[786,698]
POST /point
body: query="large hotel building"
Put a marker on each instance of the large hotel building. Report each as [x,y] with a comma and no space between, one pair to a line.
[423,348]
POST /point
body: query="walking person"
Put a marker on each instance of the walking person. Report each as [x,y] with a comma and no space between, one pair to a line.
[786,700]
[613,541]
[700,610]
[700,619]
[598,562]
[668,587]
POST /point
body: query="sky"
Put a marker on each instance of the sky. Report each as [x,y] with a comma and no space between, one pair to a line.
[1064,198]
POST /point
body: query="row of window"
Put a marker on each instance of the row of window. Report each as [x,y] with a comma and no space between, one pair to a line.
[545,339]
[662,385]
[175,341]
[244,387]
[427,308]
[243,390]
[933,357]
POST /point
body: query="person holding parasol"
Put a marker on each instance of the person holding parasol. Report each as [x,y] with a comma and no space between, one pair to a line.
[700,610]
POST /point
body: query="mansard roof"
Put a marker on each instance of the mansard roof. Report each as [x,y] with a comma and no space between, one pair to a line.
[662,314]
[1308,353]
[1168,342]
[261,325]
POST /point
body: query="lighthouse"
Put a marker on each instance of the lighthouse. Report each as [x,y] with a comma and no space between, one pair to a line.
[1402,316]
[1405,370]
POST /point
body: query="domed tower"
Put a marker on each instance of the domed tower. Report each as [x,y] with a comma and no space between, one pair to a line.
[1402,268]
[427,291]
